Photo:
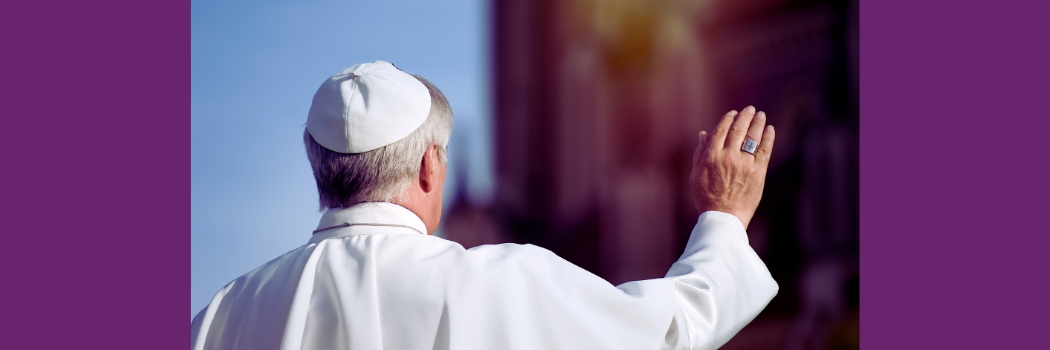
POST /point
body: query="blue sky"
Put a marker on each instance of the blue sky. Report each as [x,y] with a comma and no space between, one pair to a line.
[255,67]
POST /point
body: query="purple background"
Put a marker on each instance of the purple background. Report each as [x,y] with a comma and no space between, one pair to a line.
[953,174]
[96,182]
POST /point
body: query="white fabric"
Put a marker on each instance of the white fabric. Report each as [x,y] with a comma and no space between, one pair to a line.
[388,287]
[367,106]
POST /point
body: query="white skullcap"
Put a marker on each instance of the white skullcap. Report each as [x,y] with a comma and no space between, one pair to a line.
[367,106]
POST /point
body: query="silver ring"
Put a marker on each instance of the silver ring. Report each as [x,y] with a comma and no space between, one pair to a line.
[749,146]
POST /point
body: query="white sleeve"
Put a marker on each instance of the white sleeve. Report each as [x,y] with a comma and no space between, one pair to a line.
[720,284]
[527,297]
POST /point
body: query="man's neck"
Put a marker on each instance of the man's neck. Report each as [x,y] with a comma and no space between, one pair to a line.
[421,204]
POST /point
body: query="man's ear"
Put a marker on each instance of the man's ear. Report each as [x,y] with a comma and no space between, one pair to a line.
[428,169]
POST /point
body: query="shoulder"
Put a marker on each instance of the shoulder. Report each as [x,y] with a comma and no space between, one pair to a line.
[490,253]
[511,250]
[510,255]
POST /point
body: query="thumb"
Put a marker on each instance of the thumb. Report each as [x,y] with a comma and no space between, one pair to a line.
[701,148]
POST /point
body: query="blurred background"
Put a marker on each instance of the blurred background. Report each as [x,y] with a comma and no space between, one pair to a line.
[576,121]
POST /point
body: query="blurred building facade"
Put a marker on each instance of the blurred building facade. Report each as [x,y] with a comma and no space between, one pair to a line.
[597,106]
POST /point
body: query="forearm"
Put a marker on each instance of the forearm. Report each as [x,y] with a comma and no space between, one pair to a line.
[720,283]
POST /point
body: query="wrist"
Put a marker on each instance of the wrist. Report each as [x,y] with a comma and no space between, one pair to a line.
[727,218]
[742,215]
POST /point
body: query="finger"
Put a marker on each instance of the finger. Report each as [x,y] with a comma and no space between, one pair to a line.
[699,153]
[739,128]
[758,124]
[718,137]
[765,147]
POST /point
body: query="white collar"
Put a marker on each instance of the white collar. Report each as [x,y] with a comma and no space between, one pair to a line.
[368,218]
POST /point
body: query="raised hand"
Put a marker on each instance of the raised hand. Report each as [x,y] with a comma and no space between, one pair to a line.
[726,178]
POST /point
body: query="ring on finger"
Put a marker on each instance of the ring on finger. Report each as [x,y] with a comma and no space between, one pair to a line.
[749,146]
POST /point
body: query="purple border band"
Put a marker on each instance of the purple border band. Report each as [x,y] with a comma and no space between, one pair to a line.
[953,189]
[95,179]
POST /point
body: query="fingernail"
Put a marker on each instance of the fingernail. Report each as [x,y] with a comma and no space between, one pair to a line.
[761,115]
[733,112]
[749,109]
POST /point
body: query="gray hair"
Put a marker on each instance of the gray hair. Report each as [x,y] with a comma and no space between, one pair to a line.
[382,174]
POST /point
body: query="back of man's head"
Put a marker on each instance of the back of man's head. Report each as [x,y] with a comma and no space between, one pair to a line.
[381,174]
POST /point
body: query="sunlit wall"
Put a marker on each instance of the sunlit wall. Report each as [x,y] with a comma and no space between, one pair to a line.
[596,109]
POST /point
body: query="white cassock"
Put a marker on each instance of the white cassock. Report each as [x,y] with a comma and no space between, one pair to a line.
[381,283]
